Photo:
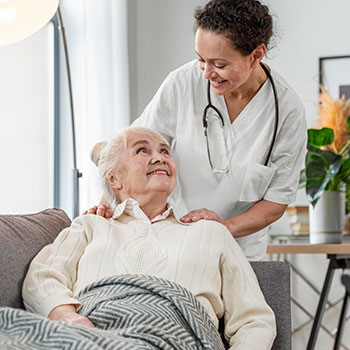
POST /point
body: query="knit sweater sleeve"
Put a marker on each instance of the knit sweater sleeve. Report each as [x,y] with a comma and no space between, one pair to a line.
[53,272]
[249,321]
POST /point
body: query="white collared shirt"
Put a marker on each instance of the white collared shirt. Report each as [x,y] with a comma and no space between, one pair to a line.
[131,207]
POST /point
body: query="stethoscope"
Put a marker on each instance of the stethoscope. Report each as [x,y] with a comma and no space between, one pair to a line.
[222,123]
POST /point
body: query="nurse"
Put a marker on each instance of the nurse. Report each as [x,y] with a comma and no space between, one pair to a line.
[234,185]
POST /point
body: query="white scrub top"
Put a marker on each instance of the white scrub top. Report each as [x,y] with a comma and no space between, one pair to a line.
[176,112]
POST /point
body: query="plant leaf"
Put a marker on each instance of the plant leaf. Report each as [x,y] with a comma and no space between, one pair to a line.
[329,156]
[320,137]
[321,166]
[343,174]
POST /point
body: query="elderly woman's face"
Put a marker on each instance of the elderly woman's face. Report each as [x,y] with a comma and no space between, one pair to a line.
[146,166]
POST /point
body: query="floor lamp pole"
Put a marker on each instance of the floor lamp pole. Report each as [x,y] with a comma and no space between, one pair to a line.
[76,174]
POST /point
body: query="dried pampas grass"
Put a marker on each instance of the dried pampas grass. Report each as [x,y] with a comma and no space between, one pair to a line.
[333,114]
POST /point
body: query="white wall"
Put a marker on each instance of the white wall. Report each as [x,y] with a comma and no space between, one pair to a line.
[26,132]
[309,30]
[161,39]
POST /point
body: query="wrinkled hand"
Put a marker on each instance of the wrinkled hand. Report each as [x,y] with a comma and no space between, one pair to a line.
[201,214]
[103,209]
[67,313]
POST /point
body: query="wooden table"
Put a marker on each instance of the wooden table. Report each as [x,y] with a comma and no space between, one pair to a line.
[339,257]
[308,249]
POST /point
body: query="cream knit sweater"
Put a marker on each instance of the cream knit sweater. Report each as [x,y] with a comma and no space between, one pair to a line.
[202,257]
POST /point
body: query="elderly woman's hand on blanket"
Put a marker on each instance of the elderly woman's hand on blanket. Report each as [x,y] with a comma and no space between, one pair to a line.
[67,313]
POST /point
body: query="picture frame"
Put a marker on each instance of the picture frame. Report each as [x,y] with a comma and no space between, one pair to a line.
[334,75]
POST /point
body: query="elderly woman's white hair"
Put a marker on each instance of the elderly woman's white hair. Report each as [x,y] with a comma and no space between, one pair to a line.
[107,156]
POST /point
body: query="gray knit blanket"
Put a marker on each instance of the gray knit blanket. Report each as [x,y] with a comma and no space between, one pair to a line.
[129,311]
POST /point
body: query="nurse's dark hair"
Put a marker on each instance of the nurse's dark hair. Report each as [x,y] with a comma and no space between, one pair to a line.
[246,23]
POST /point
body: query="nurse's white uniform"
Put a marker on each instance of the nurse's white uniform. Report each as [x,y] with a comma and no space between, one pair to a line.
[176,112]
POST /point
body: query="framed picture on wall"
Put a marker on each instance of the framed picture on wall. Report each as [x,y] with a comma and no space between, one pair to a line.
[334,75]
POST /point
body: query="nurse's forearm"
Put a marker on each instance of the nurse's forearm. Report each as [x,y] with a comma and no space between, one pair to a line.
[257,217]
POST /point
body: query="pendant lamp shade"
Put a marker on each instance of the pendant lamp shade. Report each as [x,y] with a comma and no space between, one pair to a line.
[20,19]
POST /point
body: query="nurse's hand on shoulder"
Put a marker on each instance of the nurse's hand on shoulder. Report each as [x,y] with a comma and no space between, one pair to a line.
[201,214]
[103,209]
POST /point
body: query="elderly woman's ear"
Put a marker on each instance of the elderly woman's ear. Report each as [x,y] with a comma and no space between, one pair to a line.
[114,182]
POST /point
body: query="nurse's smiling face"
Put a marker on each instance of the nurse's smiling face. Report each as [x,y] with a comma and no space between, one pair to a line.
[226,68]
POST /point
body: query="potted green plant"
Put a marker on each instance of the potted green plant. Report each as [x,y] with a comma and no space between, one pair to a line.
[325,175]
[327,170]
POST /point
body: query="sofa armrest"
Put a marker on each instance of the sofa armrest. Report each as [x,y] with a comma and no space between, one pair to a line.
[274,280]
[21,238]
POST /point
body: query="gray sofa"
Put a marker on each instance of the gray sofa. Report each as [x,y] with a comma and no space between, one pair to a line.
[22,236]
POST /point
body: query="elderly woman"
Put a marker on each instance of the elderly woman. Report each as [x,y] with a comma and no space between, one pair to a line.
[143,237]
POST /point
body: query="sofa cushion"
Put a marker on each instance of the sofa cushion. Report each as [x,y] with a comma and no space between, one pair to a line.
[21,238]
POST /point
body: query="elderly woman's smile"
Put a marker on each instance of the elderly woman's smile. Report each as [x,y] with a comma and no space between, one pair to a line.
[159,172]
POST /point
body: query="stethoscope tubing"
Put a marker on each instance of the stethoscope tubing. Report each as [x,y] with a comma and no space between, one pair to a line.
[269,76]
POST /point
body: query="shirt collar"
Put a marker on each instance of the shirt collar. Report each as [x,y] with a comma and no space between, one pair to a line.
[132,208]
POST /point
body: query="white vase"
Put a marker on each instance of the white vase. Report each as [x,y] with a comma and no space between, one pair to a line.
[327,218]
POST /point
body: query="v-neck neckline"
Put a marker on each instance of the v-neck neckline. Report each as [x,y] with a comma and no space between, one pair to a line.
[221,100]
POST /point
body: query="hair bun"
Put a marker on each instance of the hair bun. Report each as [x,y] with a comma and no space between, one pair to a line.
[97,151]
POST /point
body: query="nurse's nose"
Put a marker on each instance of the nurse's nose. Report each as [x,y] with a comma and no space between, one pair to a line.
[209,72]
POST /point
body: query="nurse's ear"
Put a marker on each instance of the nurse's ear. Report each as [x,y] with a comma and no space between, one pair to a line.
[257,55]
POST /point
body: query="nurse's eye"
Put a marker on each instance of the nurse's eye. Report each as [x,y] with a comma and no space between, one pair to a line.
[219,66]
[141,150]
[201,64]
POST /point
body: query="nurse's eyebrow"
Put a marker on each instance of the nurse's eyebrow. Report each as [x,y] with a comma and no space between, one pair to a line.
[212,59]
